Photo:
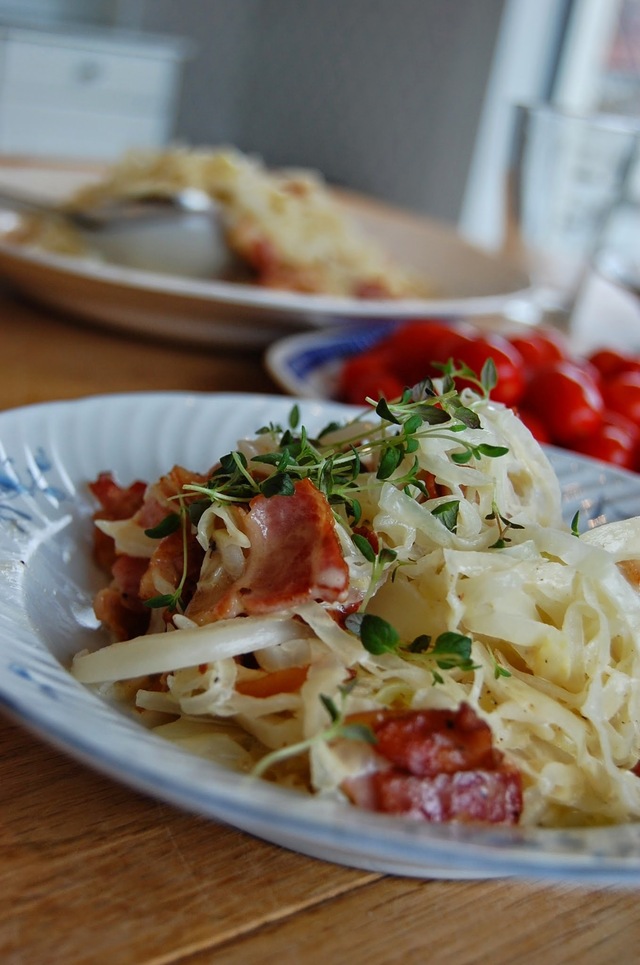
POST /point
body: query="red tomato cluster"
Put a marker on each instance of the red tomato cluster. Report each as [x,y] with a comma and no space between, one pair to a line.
[591,406]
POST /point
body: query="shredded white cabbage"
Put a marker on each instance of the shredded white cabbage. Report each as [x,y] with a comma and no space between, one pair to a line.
[553,619]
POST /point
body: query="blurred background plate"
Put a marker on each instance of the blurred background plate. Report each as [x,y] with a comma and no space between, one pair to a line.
[470,280]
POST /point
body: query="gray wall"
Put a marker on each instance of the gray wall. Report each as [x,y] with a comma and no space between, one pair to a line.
[383,96]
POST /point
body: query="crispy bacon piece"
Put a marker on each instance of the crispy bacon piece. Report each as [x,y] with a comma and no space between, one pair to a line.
[294,557]
[123,622]
[437,765]
[159,498]
[430,742]
[116,502]
[127,573]
[118,606]
[486,796]
[167,563]
[434,488]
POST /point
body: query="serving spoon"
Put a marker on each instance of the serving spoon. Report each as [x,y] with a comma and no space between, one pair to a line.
[114,213]
[181,233]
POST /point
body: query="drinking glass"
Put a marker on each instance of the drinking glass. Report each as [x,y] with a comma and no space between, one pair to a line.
[566,176]
[617,255]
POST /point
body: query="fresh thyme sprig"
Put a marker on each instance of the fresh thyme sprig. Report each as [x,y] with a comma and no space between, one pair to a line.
[485,383]
[338,729]
[421,405]
[336,470]
[450,650]
[504,525]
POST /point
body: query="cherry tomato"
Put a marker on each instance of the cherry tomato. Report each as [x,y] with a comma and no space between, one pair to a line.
[567,400]
[357,365]
[622,394]
[535,425]
[610,362]
[616,441]
[542,345]
[372,382]
[416,345]
[508,363]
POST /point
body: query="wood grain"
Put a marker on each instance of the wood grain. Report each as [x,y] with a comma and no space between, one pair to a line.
[45,357]
[94,872]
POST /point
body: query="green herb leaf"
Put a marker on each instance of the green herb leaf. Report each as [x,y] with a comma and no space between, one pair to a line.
[164,528]
[461,458]
[447,513]
[294,417]
[280,484]
[421,390]
[494,451]
[358,732]
[412,445]
[354,507]
[489,376]
[195,510]
[467,417]
[364,546]
[453,650]
[421,644]
[330,707]
[330,427]
[413,423]
[390,461]
[433,415]
[162,601]
[383,410]
[377,635]
[387,555]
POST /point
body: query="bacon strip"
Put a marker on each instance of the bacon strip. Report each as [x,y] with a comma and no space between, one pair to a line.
[430,742]
[116,502]
[437,765]
[294,557]
[166,565]
[489,796]
[118,606]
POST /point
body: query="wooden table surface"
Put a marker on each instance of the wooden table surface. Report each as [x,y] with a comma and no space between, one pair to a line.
[93,872]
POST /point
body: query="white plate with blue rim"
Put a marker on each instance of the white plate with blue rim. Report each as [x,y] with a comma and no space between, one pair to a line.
[48,453]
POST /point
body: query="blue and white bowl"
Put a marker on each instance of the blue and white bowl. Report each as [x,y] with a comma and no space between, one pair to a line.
[308,366]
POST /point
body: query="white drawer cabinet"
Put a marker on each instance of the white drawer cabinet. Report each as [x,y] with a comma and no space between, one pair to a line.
[85,96]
